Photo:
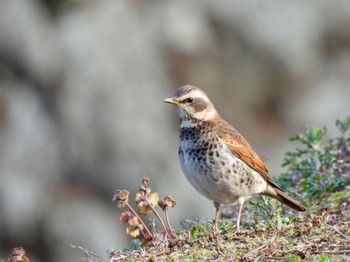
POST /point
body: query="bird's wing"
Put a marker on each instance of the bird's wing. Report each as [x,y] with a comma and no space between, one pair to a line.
[241,149]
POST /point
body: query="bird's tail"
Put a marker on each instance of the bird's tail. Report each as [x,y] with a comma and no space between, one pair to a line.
[285,199]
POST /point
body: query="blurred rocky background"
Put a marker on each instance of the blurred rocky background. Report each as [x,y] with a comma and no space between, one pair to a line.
[82,85]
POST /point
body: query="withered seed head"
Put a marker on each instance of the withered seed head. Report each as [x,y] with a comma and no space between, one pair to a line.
[122,197]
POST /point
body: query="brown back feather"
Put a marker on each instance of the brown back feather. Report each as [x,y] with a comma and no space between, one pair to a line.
[241,149]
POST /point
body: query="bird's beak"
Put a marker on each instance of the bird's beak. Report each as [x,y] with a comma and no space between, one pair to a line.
[171,101]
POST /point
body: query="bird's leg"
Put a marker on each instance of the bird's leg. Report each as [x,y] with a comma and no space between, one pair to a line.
[217,214]
[241,202]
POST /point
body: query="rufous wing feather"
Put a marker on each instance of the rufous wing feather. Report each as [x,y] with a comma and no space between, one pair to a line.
[241,149]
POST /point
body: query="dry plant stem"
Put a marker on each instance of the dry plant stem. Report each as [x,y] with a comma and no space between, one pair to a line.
[89,253]
[118,258]
[158,217]
[167,220]
[143,224]
[257,249]
[333,252]
[278,258]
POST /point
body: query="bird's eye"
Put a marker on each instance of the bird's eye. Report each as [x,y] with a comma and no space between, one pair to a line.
[189,100]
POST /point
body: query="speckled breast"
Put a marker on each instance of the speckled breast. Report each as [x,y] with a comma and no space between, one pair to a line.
[211,168]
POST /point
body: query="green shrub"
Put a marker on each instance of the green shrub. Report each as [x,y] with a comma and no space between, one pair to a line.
[318,168]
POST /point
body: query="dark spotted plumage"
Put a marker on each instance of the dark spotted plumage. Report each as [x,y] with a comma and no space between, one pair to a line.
[216,159]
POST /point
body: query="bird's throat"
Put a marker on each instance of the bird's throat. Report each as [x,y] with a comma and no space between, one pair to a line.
[188,123]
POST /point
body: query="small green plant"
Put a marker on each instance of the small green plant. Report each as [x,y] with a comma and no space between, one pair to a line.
[270,211]
[324,258]
[319,167]
[146,202]
[266,209]
[197,229]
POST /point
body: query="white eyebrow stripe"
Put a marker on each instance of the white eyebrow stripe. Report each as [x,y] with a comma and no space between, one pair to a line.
[195,94]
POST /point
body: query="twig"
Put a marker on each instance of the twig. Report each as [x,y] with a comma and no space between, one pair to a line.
[337,245]
[334,252]
[89,253]
[336,230]
[278,258]
[257,249]
[118,258]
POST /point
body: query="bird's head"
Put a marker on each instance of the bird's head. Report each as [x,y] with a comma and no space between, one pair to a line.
[192,104]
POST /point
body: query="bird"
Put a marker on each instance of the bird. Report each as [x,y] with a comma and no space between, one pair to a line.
[217,160]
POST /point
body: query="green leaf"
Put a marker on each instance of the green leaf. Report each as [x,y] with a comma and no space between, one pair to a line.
[196,229]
